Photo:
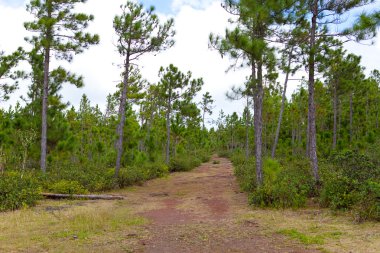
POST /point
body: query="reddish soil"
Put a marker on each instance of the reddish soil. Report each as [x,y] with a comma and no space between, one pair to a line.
[201,211]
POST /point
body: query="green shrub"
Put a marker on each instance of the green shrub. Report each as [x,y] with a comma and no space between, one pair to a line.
[18,190]
[133,175]
[238,158]
[246,174]
[355,166]
[184,163]
[284,187]
[155,170]
[203,156]
[67,187]
[368,205]
[130,176]
[352,182]
[224,153]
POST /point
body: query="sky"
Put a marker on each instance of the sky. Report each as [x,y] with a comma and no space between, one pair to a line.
[194,21]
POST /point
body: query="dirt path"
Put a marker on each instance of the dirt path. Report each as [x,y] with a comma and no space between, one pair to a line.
[201,211]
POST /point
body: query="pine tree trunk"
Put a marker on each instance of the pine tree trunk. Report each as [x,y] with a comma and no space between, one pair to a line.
[259,124]
[312,116]
[120,128]
[351,116]
[203,119]
[377,114]
[335,109]
[45,95]
[167,156]
[282,106]
[247,131]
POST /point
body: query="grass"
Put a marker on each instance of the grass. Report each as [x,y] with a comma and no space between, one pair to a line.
[305,239]
[69,226]
[318,228]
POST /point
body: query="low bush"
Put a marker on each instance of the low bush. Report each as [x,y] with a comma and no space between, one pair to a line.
[68,187]
[184,163]
[368,205]
[130,176]
[203,156]
[18,190]
[284,187]
[246,174]
[238,158]
[224,153]
[155,170]
[352,182]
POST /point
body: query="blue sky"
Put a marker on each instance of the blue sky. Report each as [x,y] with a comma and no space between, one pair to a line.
[163,6]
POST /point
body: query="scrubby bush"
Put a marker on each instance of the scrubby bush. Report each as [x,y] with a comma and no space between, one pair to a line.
[368,205]
[224,153]
[18,190]
[130,176]
[245,173]
[155,170]
[184,163]
[68,187]
[238,158]
[203,156]
[284,187]
[352,182]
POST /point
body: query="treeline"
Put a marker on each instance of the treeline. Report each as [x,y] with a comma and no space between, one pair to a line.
[146,130]
[322,143]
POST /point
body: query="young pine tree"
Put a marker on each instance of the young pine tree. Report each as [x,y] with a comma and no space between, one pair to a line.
[138,32]
[176,90]
[59,31]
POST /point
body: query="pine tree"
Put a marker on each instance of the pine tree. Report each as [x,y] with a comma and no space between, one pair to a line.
[139,32]
[248,45]
[8,74]
[176,90]
[319,15]
[206,106]
[59,31]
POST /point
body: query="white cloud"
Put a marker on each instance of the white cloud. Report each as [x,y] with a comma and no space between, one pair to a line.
[197,4]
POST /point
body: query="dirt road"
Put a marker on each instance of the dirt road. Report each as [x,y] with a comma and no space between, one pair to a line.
[201,211]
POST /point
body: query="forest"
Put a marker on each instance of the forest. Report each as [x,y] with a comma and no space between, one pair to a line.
[320,146]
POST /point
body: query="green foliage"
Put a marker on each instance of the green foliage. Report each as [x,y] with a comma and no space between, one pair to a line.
[135,175]
[352,182]
[244,171]
[67,187]
[284,187]
[18,190]
[184,163]
[368,205]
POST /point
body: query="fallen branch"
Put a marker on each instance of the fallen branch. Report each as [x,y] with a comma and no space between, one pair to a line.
[76,196]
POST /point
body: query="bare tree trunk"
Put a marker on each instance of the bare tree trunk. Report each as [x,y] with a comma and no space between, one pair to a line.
[259,124]
[120,128]
[293,138]
[247,130]
[312,116]
[308,133]
[167,157]
[45,95]
[282,105]
[351,117]
[335,109]
[377,113]
[203,120]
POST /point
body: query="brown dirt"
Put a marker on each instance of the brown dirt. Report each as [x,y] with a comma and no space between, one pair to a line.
[201,211]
